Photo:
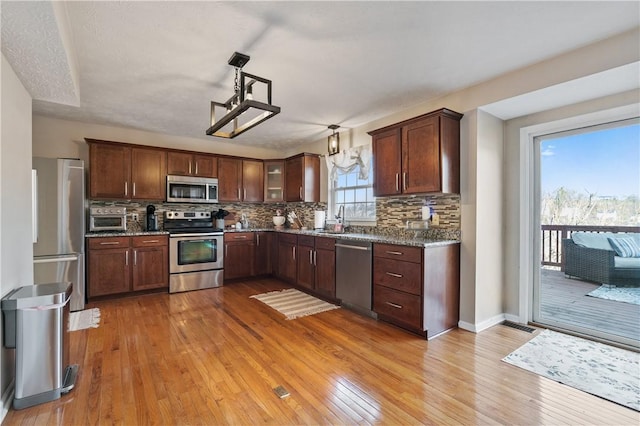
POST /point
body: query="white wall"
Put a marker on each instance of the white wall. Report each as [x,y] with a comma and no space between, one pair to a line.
[16,249]
[62,138]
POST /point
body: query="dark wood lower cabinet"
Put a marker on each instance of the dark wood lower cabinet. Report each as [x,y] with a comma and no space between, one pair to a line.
[121,265]
[264,249]
[150,263]
[417,289]
[325,261]
[287,267]
[239,252]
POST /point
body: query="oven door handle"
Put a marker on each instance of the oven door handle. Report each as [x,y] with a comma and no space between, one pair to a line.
[212,234]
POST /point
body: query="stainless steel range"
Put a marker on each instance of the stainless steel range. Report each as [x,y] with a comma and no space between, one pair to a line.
[195,251]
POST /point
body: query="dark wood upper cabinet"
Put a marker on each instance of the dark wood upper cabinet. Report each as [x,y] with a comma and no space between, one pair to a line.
[240,180]
[230,179]
[418,156]
[302,178]
[109,171]
[148,174]
[118,171]
[188,164]
[252,181]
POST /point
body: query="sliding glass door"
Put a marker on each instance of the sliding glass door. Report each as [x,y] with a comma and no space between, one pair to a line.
[587,195]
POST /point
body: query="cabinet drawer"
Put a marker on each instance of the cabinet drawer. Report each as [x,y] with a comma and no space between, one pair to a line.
[399,306]
[323,243]
[288,238]
[238,236]
[405,276]
[99,243]
[150,241]
[306,240]
[396,252]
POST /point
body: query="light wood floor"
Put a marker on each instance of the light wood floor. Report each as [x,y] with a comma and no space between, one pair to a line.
[565,299]
[214,356]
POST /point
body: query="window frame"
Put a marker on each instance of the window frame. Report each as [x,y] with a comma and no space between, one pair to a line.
[332,206]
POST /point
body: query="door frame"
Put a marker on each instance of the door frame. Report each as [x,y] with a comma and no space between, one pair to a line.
[529,217]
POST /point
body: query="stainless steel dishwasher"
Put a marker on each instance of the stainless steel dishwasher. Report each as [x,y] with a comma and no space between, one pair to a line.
[353,275]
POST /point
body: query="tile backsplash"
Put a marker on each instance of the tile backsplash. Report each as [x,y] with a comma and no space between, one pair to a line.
[392,214]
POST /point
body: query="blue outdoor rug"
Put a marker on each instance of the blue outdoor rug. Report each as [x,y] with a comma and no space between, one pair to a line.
[619,294]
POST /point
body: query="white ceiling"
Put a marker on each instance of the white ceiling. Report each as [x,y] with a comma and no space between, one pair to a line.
[156,66]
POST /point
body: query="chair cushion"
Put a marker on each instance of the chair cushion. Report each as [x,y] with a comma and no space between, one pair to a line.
[593,239]
[626,262]
[625,246]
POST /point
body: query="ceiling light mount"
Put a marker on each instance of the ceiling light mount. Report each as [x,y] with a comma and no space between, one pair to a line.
[243,111]
[333,142]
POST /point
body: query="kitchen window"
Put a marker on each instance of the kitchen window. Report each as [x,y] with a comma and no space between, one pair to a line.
[351,186]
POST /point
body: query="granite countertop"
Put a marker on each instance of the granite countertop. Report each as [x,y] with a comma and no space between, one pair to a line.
[406,241]
[415,242]
[123,234]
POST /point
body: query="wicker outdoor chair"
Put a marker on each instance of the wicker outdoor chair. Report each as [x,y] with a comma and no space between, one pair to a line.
[596,265]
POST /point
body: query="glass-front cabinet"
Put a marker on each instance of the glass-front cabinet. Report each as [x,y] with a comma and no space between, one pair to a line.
[274,181]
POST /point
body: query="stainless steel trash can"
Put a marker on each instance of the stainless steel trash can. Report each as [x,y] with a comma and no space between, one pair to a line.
[36,321]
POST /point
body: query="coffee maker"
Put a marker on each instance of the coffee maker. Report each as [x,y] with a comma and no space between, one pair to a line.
[152,219]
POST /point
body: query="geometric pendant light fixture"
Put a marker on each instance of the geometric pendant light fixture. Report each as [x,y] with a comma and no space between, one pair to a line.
[242,111]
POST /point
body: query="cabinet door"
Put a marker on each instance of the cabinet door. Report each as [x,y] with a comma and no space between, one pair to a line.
[148,174]
[421,156]
[325,261]
[179,163]
[274,181]
[109,171]
[230,171]
[263,245]
[150,262]
[252,181]
[287,261]
[306,269]
[205,165]
[150,267]
[387,163]
[109,272]
[293,186]
[238,255]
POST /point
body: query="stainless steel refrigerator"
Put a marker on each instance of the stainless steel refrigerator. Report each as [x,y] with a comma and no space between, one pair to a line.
[59,224]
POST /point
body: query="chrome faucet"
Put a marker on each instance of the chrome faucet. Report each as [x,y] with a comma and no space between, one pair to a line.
[340,212]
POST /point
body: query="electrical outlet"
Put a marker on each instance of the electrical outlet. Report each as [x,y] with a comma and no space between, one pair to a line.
[134,216]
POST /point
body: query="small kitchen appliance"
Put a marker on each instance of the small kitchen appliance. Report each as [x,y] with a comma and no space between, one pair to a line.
[107,219]
[152,219]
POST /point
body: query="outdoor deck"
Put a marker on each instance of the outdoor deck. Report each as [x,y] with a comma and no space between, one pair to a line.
[565,299]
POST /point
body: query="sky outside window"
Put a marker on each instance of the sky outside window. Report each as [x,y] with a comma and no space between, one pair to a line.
[603,162]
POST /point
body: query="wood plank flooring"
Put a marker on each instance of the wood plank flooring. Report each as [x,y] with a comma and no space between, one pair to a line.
[214,356]
[565,299]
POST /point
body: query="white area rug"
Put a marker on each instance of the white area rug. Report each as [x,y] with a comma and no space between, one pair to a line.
[293,303]
[592,367]
[89,318]
[619,294]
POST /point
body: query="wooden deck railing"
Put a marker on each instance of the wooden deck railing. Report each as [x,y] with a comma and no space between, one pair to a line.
[552,236]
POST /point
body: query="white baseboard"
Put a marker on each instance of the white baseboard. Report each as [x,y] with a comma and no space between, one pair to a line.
[514,318]
[7,399]
[477,328]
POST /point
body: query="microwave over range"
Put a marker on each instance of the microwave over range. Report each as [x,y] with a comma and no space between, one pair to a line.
[188,189]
